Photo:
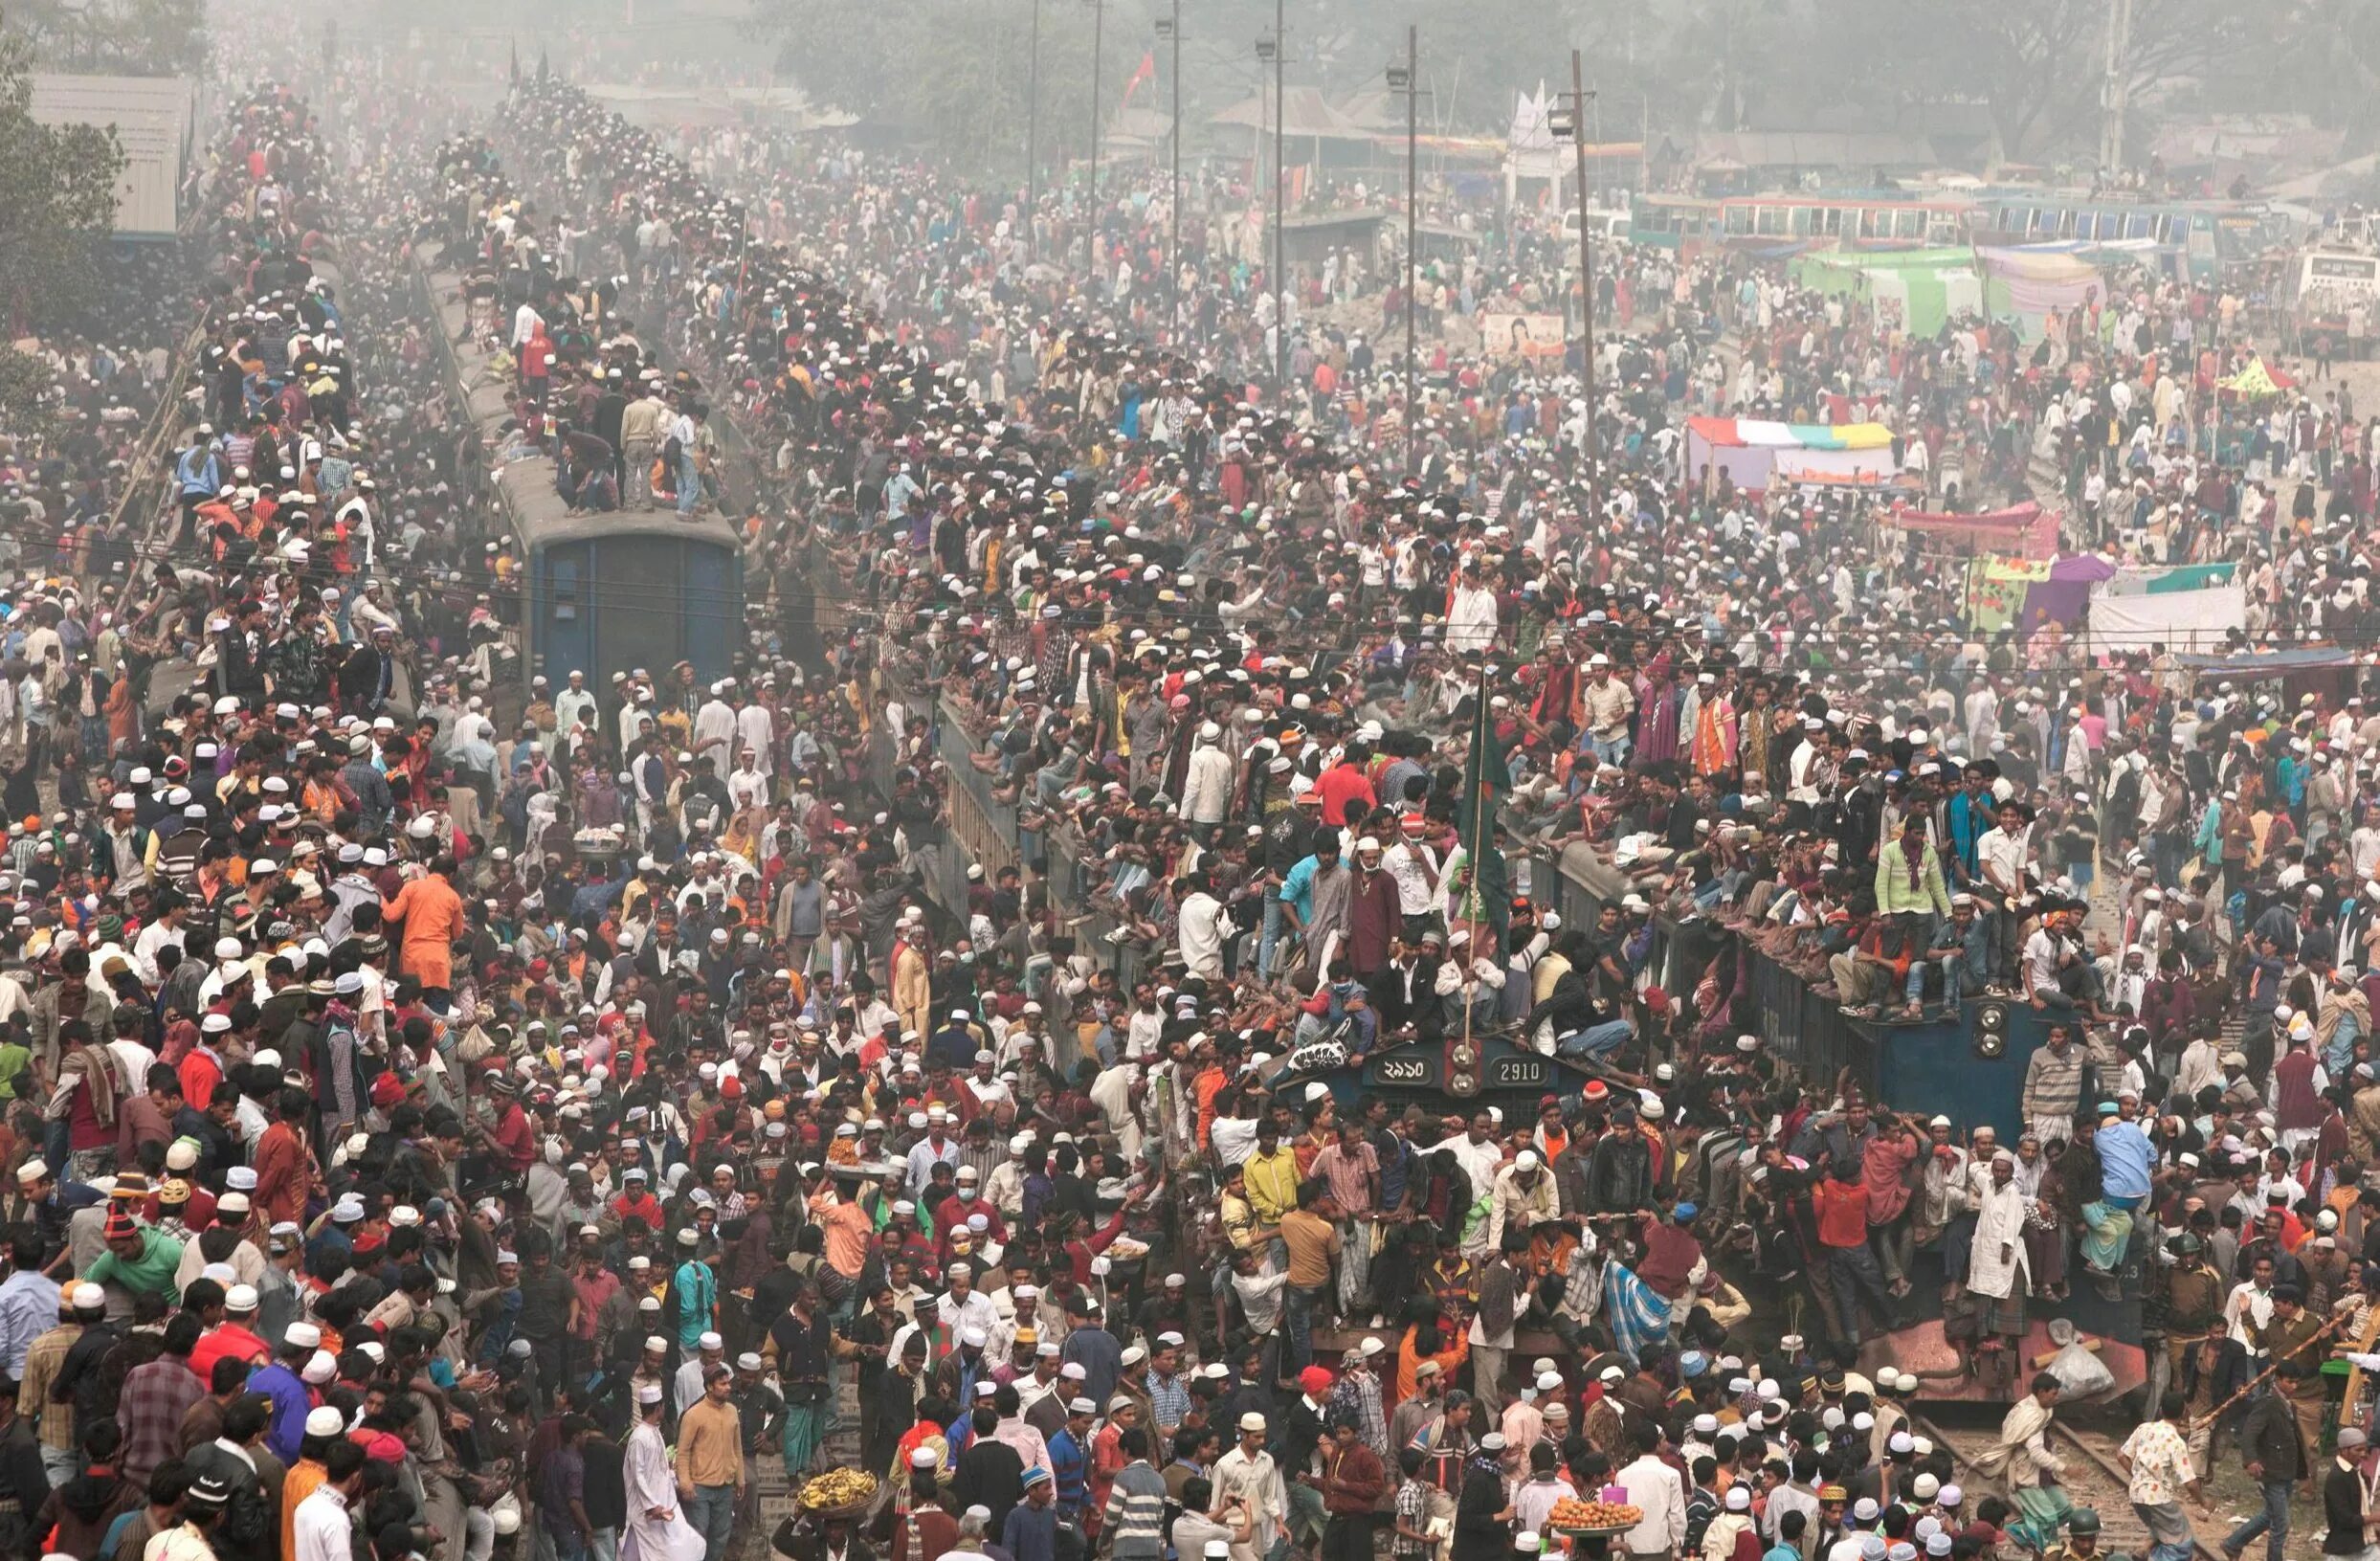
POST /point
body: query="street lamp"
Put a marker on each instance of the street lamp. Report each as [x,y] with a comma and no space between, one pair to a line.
[1169,32]
[1269,49]
[1566,120]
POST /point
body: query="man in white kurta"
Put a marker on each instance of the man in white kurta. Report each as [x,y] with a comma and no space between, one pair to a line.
[657,1530]
[1997,1268]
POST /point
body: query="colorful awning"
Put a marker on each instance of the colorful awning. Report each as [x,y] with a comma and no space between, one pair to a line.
[1751,433]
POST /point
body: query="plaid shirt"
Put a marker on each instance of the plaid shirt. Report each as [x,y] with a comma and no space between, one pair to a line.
[1168,1400]
[156,1395]
[42,1366]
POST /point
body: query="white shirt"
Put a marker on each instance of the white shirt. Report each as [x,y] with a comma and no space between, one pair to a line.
[323,1530]
[2247,1304]
[1201,935]
[1654,1487]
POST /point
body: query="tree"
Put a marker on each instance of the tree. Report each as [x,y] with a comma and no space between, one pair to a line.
[57,202]
[2040,63]
[954,73]
[115,37]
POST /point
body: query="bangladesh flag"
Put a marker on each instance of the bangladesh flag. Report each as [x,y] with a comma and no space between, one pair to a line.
[1485,782]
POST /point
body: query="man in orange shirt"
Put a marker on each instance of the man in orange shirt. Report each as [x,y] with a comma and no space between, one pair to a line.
[846,1225]
[433,914]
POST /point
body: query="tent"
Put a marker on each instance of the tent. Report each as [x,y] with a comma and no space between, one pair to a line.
[2037,281]
[1922,289]
[2027,530]
[1749,451]
[2028,592]
[2180,620]
[2257,382]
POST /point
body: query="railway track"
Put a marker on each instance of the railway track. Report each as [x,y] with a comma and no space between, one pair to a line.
[2092,1479]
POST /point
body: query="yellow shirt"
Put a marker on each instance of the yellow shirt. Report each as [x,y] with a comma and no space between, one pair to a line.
[1273,1184]
[710,1445]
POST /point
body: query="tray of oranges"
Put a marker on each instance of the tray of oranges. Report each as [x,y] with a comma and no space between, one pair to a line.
[1577,1517]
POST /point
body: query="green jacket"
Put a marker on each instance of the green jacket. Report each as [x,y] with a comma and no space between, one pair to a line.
[1895,896]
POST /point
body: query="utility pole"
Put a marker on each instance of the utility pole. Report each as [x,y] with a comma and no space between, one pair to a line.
[1169,27]
[1099,24]
[1408,80]
[1275,50]
[2115,92]
[1574,109]
[1280,199]
[1033,132]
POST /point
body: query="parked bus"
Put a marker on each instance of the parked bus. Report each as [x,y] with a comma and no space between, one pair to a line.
[1684,223]
[2334,291]
[2198,237]
[1845,222]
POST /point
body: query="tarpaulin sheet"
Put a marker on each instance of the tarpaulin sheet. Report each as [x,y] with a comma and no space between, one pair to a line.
[1873,465]
[2066,593]
[2158,582]
[1996,589]
[2185,620]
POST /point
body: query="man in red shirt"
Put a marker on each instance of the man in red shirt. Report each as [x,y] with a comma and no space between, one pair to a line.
[236,1336]
[284,1165]
[511,1142]
[1346,782]
[1840,1203]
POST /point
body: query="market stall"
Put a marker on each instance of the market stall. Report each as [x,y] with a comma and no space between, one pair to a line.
[1750,451]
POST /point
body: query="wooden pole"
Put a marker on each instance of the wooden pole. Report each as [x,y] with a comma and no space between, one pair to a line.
[2216,1413]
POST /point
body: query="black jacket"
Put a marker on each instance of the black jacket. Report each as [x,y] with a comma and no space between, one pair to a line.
[2269,1436]
[1619,1178]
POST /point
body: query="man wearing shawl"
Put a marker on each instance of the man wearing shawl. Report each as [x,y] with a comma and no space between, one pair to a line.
[1635,1311]
[90,1085]
[2021,1458]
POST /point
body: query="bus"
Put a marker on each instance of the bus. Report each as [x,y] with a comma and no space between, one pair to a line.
[1846,221]
[1684,223]
[2197,238]
[2334,291]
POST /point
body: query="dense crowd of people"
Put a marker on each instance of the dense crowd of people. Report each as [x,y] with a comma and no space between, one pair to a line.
[453,1111]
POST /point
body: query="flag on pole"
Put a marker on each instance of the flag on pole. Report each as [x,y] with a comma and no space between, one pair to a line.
[1485,782]
[1146,69]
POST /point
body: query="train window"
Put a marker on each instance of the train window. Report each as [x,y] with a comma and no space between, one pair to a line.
[1739,220]
[563,594]
[2162,230]
[2066,223]
[1769,222]
[1907,224]
[1832,217]
[1803,221]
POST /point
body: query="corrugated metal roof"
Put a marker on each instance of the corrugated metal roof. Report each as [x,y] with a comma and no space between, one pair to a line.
[151,118]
